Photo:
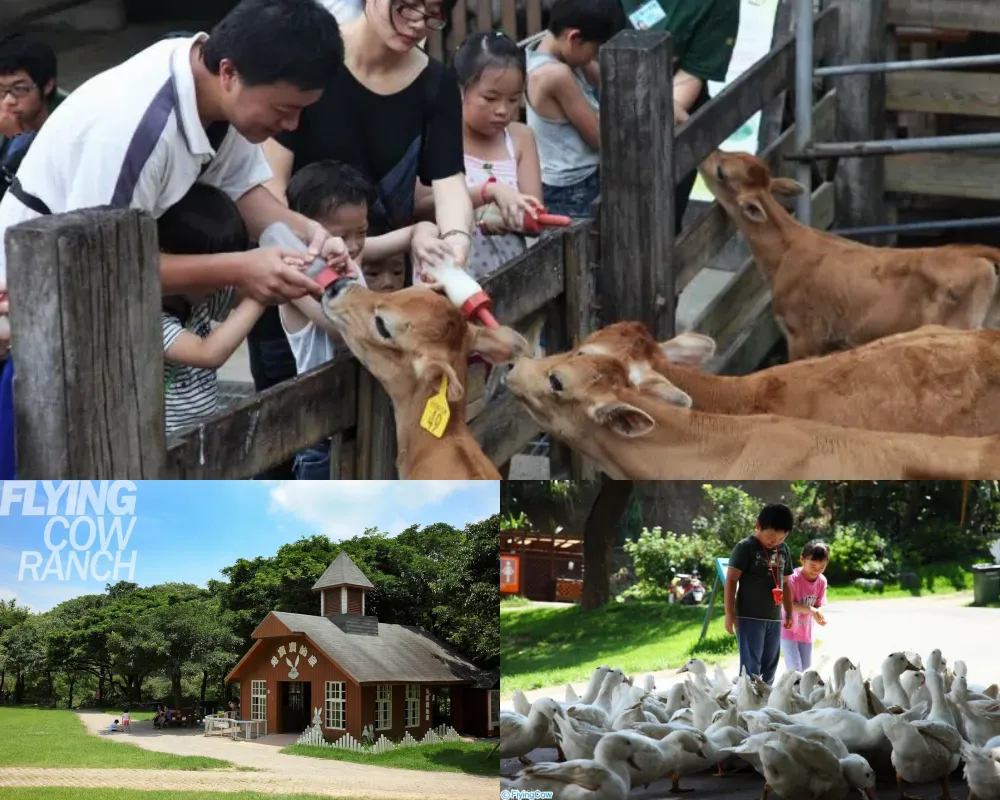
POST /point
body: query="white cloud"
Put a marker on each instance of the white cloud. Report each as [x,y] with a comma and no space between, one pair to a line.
[342,509]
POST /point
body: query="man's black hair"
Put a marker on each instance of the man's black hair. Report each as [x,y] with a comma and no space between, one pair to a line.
[295,41]
[775,517]
[19,52]
[816,550]
[325,186]
[596,20]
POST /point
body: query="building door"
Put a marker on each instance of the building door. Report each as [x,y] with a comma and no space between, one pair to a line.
[295,706]
[441,706]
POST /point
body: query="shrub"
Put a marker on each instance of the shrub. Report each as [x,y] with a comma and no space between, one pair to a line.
[856,551]
[657,556]
[734,514]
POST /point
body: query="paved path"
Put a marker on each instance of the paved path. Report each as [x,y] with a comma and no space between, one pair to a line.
[276,773]
[866,631]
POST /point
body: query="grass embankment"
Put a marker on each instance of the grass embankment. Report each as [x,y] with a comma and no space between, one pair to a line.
[934,579]
[550,646]
[467,757]
[35,737]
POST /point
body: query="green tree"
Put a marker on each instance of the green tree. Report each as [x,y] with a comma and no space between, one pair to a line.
[11,614]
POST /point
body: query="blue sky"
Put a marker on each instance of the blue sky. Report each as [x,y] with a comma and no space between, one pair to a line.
[189,530]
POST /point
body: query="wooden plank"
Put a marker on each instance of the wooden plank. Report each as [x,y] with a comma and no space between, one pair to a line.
[938,92]
[375,449]
[269,427]
[85,303]
[15,14]
[580,291]
[484,15]
[637,181]
[721,316]
[861,111]
[459,25]
[508,18]
[759,332]
[944,175]
[711,125]
[503,429]
[701,243]
[965,15]
[533,9]
[529,282]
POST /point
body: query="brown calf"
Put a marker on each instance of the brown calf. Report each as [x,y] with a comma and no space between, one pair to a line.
[933,380]
[410,341]
[833,294]
[590,403]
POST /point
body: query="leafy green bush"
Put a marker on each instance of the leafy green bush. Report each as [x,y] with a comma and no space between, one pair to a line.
[856,551]
[658,555]
[734,514]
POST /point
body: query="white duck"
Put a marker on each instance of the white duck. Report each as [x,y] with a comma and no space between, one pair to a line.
[840,667]
[915,685]
[577,740]
[859,734]
[813,687]
[594,684]
[975,691]
[858,697]
[922,750]
[519,735]
[649,682]
[748,695]
[521,703]
[674,748]
[571,695]
[981,724]
[982,769]
[784,697]
[673,699]
[806,770]
[606,777]
[941,710]
[895,665]
[699,672]
[703,707]
[598,712]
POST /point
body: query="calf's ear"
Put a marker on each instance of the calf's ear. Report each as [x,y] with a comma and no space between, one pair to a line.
[498,345]
[752,210]
[623,419]
[787,187]
[692,349]
[430,371]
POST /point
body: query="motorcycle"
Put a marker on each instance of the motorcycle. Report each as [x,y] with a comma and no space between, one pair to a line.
[686,589]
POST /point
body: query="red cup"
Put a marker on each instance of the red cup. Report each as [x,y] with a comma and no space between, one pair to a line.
[776,594]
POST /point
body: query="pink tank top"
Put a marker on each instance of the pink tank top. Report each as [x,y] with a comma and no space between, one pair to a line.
[478,171]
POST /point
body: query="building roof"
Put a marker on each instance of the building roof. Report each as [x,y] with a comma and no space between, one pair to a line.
[342,572]
[398,654]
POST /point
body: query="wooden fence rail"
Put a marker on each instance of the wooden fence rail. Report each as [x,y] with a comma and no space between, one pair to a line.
[89,402]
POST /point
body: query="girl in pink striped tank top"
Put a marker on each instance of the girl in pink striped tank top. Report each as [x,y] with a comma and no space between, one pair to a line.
[502,169]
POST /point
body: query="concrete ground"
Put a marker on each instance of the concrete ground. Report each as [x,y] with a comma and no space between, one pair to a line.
[275,773]
[866,631]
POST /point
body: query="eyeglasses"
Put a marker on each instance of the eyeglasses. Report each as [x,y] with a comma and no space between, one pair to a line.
[418,13]
[17,91]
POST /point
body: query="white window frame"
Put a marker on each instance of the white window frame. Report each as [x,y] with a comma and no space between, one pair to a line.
[412,705]
[343,599]
[258,692]
[383,707]
[335,699]
[494,721]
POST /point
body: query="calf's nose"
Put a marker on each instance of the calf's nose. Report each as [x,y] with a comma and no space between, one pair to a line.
[337,287]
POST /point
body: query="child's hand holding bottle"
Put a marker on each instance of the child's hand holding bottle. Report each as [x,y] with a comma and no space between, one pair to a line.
[512,206]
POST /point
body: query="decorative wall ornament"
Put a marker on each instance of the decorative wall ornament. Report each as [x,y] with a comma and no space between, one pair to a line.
[299,652]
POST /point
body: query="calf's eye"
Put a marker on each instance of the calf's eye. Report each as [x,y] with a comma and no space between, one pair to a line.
[555,383]
[383,331]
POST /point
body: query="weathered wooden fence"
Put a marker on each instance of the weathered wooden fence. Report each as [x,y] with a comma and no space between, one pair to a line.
[89,396]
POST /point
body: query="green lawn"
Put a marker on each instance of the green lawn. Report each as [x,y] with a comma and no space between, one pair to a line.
[514,601]
[66,793]
[135,716]
[468,757]
[35,737]
[934,579]
[552,646]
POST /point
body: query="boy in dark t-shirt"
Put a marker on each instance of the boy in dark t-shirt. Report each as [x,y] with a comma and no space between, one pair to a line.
[757,589]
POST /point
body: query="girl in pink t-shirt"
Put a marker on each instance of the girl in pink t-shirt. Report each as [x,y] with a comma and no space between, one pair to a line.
[808,587]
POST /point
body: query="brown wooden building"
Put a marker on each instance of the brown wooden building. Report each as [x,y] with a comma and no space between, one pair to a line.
[359,671]
[547,561]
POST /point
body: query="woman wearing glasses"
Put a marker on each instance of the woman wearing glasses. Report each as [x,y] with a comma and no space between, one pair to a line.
[395,114]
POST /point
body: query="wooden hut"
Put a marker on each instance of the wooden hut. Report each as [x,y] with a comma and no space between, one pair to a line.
[358,671]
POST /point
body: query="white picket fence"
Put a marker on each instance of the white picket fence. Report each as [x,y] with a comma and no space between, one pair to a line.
[313,735]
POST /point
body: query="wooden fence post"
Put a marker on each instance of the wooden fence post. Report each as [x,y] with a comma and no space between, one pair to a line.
[637,180]
[861,114]
[86,333]
[375,443]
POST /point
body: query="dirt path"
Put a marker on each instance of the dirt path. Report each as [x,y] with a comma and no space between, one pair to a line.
[276,773]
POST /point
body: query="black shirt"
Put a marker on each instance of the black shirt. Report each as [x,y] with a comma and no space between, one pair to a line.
[758,567]
[392,139]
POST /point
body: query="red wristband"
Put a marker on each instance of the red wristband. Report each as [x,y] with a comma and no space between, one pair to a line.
[482,192]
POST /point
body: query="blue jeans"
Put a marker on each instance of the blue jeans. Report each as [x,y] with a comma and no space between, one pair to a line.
[573,200]
[313,463]
[760,644]
[8,461]
[798,655]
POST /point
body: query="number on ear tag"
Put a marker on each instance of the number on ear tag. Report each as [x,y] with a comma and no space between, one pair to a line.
[436,414]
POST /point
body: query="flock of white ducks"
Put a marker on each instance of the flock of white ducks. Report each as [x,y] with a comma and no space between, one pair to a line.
[811,739]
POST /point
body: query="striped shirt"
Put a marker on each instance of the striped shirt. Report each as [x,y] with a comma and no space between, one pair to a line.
[191,394]
[131,137]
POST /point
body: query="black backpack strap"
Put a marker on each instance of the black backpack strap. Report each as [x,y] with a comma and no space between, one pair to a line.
[34,203]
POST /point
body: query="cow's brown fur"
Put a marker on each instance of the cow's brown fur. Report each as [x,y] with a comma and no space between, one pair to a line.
[933,380]
[831,293]
[428,339]
[589,402]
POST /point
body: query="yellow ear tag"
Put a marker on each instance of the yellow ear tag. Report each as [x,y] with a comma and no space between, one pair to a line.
[437,412]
